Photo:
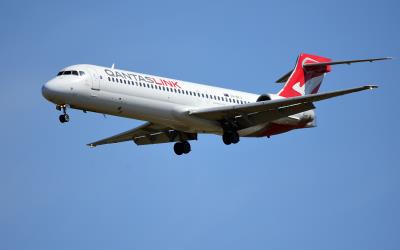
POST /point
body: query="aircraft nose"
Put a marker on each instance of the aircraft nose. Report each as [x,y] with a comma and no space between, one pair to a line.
[50,90]
[46,90]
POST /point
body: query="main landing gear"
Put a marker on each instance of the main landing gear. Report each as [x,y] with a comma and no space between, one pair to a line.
[230,137]
[64,117]
[182,147]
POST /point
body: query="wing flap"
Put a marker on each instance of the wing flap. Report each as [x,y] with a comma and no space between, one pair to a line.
[122,137]
[164,137]
[275,114]
[147,133]
[249,120]
[227,112]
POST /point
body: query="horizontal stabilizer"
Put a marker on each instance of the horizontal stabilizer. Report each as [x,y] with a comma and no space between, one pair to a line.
[310,66]
[318,64]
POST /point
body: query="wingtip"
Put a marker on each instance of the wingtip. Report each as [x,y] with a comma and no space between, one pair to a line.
[371,86]
[91,145]
[381,58]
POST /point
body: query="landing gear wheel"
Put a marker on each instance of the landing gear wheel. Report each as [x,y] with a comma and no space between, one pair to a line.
[64,118]
[230,137]
[186,147]
[182,148]
[235,138]
[178,148]
[226,139]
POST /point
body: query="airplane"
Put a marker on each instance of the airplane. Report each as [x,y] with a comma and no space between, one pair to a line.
[177,111]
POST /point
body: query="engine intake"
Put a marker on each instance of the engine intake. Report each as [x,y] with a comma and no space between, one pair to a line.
[268,97]
[264,97]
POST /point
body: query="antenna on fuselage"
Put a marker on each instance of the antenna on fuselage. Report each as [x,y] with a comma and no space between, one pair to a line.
[112,66]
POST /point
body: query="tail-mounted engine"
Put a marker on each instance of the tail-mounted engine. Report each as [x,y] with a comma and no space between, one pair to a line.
[268,97]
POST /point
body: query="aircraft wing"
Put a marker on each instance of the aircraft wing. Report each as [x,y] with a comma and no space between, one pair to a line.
[267,111]
[147,133]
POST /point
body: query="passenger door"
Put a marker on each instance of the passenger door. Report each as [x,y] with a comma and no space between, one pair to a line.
[95,80]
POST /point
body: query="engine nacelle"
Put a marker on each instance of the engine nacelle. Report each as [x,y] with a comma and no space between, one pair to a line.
[268,97]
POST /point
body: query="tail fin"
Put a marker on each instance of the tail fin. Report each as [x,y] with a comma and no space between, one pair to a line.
[305,80]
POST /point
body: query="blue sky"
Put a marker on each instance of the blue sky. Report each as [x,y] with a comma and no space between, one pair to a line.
[332,187]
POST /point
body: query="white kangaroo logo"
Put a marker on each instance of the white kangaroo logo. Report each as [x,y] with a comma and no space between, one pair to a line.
[299,89]
[311,83]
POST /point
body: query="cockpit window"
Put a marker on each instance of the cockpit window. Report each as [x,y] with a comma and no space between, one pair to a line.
[71,72]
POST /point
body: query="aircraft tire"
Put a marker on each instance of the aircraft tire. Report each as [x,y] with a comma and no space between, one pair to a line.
[64,118]
[235,138]
[178,148]
[226,138]
[186,147]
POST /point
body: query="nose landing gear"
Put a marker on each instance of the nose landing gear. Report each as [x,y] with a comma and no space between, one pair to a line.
[64,117]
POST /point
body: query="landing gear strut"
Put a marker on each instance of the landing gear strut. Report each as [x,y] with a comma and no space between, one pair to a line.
[64,117]
[182,147]
[230,137]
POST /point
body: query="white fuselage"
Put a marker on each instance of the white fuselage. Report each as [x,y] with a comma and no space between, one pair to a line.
[145,97]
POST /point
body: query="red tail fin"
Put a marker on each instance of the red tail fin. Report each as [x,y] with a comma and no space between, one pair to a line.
[305,81]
